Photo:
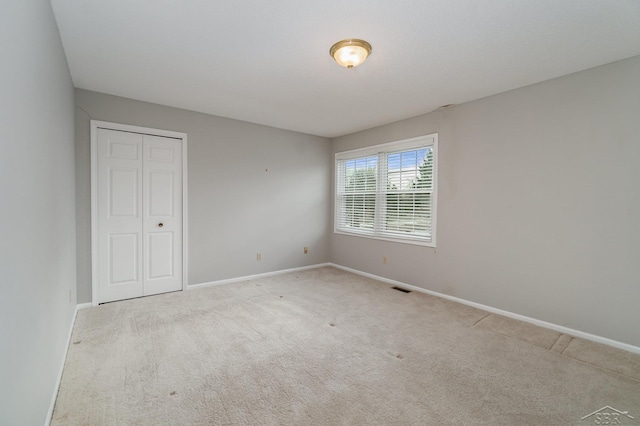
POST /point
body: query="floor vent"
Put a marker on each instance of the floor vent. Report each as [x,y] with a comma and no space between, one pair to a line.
[404,290]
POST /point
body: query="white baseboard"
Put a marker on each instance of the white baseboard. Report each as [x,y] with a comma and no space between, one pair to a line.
[253,277]
[534,321]
[84,306]
[64,360]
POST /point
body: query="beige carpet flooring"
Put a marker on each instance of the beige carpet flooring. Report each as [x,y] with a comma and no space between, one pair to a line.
[327,347]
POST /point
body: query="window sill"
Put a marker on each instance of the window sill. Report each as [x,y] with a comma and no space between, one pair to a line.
[411,241]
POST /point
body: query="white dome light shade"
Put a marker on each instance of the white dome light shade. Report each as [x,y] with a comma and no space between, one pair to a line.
[350,52]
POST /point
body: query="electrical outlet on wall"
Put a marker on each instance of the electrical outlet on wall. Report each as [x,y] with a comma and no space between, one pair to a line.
[306,250]
[384,260]
[258,256]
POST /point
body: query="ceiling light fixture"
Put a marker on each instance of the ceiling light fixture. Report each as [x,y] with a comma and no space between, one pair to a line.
[350,52]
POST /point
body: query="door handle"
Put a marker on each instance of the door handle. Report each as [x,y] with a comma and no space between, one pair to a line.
[160,225]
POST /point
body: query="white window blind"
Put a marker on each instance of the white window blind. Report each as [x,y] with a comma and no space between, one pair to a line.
[388,191]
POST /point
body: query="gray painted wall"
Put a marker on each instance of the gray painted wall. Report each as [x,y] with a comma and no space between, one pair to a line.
[251,189]
[37,212]
[538,203]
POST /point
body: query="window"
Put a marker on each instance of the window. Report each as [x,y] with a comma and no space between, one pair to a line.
[389,191]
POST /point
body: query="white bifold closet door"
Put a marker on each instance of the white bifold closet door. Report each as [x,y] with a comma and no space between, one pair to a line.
[139,215]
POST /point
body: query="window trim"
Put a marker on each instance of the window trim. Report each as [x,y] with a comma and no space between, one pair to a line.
[381,151]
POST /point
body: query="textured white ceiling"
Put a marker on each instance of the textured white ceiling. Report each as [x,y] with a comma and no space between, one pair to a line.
[268,62]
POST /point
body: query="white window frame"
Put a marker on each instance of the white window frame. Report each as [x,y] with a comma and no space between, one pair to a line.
[381,151]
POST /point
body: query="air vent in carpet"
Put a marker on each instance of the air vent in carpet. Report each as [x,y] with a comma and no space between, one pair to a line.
[404,290]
